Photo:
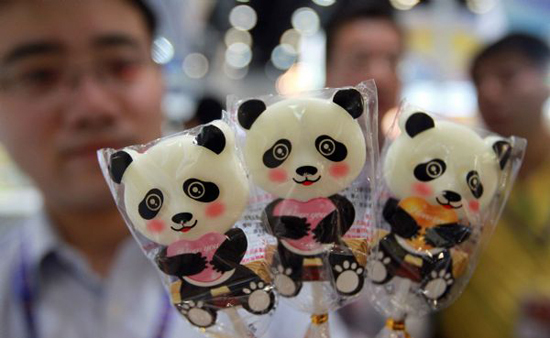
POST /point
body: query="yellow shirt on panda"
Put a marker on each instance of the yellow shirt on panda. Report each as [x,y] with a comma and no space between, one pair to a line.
[512,278]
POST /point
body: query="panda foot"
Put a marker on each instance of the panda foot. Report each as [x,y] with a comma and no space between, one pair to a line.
[377,270]
[197,314]
[438,285]
[260,298]
[349,277]
[285,285]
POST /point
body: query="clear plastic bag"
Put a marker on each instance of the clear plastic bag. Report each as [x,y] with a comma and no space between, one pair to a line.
[312,159]
[183,197]
[442,188]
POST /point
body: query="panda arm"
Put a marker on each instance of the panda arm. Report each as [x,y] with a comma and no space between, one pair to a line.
[447,235]
[337,223]
[402,224]
[291,227]
[181,265]
[231,252]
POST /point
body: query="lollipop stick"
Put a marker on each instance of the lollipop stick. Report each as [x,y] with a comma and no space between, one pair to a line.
[318,328]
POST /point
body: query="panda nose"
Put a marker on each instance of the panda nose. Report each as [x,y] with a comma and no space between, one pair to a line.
[182,217]
[451,196]
[305,170]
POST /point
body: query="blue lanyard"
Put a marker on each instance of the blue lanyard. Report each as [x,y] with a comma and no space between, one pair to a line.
[26,297]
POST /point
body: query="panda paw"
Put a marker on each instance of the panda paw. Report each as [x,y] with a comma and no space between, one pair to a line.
[349,277]
[285,285]
[377,270]
[437,286]
[260,298]
[197,314]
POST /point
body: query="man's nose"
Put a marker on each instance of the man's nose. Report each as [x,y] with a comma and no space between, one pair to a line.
[90,104]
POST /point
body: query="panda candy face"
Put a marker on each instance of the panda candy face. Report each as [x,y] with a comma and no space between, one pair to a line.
[444,163]
[180,189]
[304,148]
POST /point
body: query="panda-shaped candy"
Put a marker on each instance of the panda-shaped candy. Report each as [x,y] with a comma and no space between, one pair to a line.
[441,177]
[305,151]
[186,193]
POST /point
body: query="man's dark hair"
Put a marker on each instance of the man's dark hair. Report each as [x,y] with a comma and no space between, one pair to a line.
[352,10]
[534,49]
[148,15]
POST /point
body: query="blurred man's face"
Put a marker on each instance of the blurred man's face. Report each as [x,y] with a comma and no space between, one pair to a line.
[511,93]
[75,76]
[367,49]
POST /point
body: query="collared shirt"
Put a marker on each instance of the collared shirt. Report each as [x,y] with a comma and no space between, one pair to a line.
[71,300]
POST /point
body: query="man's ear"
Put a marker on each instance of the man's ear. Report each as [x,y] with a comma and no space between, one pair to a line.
[118,164]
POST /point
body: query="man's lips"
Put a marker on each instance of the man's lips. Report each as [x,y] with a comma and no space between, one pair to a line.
[306,182]
[185,228]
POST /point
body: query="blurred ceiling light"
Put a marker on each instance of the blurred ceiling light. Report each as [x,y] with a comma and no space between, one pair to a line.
[238,55]
[405,4]
[291,37]
[481,6]
[283,56]
[242,0]
[234,35]
[163,51]
[243,17]
[305,20]
[234,73]
[324,3]
[195,65]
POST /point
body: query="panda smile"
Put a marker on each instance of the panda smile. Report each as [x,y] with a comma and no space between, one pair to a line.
[306,181]
[448,205]
[184,228]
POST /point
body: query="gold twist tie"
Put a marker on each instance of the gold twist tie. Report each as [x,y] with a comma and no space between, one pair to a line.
[397,325]
[319,319]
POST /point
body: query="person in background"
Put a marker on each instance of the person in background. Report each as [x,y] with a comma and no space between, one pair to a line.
[77,76]
[509,293]
[364,41]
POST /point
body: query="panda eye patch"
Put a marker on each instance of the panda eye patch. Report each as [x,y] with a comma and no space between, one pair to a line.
[150,205]
[474,183]
[201,191]
[430,170]
[330,148]
[276,155]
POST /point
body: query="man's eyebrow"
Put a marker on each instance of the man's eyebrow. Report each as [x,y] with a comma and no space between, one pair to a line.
[116,40]
[31,49]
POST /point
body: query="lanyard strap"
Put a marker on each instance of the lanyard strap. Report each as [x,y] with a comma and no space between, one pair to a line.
[26,297]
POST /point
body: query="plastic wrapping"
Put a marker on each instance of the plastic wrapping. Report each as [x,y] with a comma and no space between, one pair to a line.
[183,197]
[442,188]
[312,158]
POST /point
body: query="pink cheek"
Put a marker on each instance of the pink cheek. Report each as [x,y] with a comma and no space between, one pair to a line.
[215,209]
[155,226]
[277,175]
[339,170]
[422,189]
[474,206]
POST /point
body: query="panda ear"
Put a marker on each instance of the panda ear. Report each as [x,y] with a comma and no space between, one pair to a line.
[351,100]
[503,149]
[418,122]
[118,164]
[211,137]
[249,111]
